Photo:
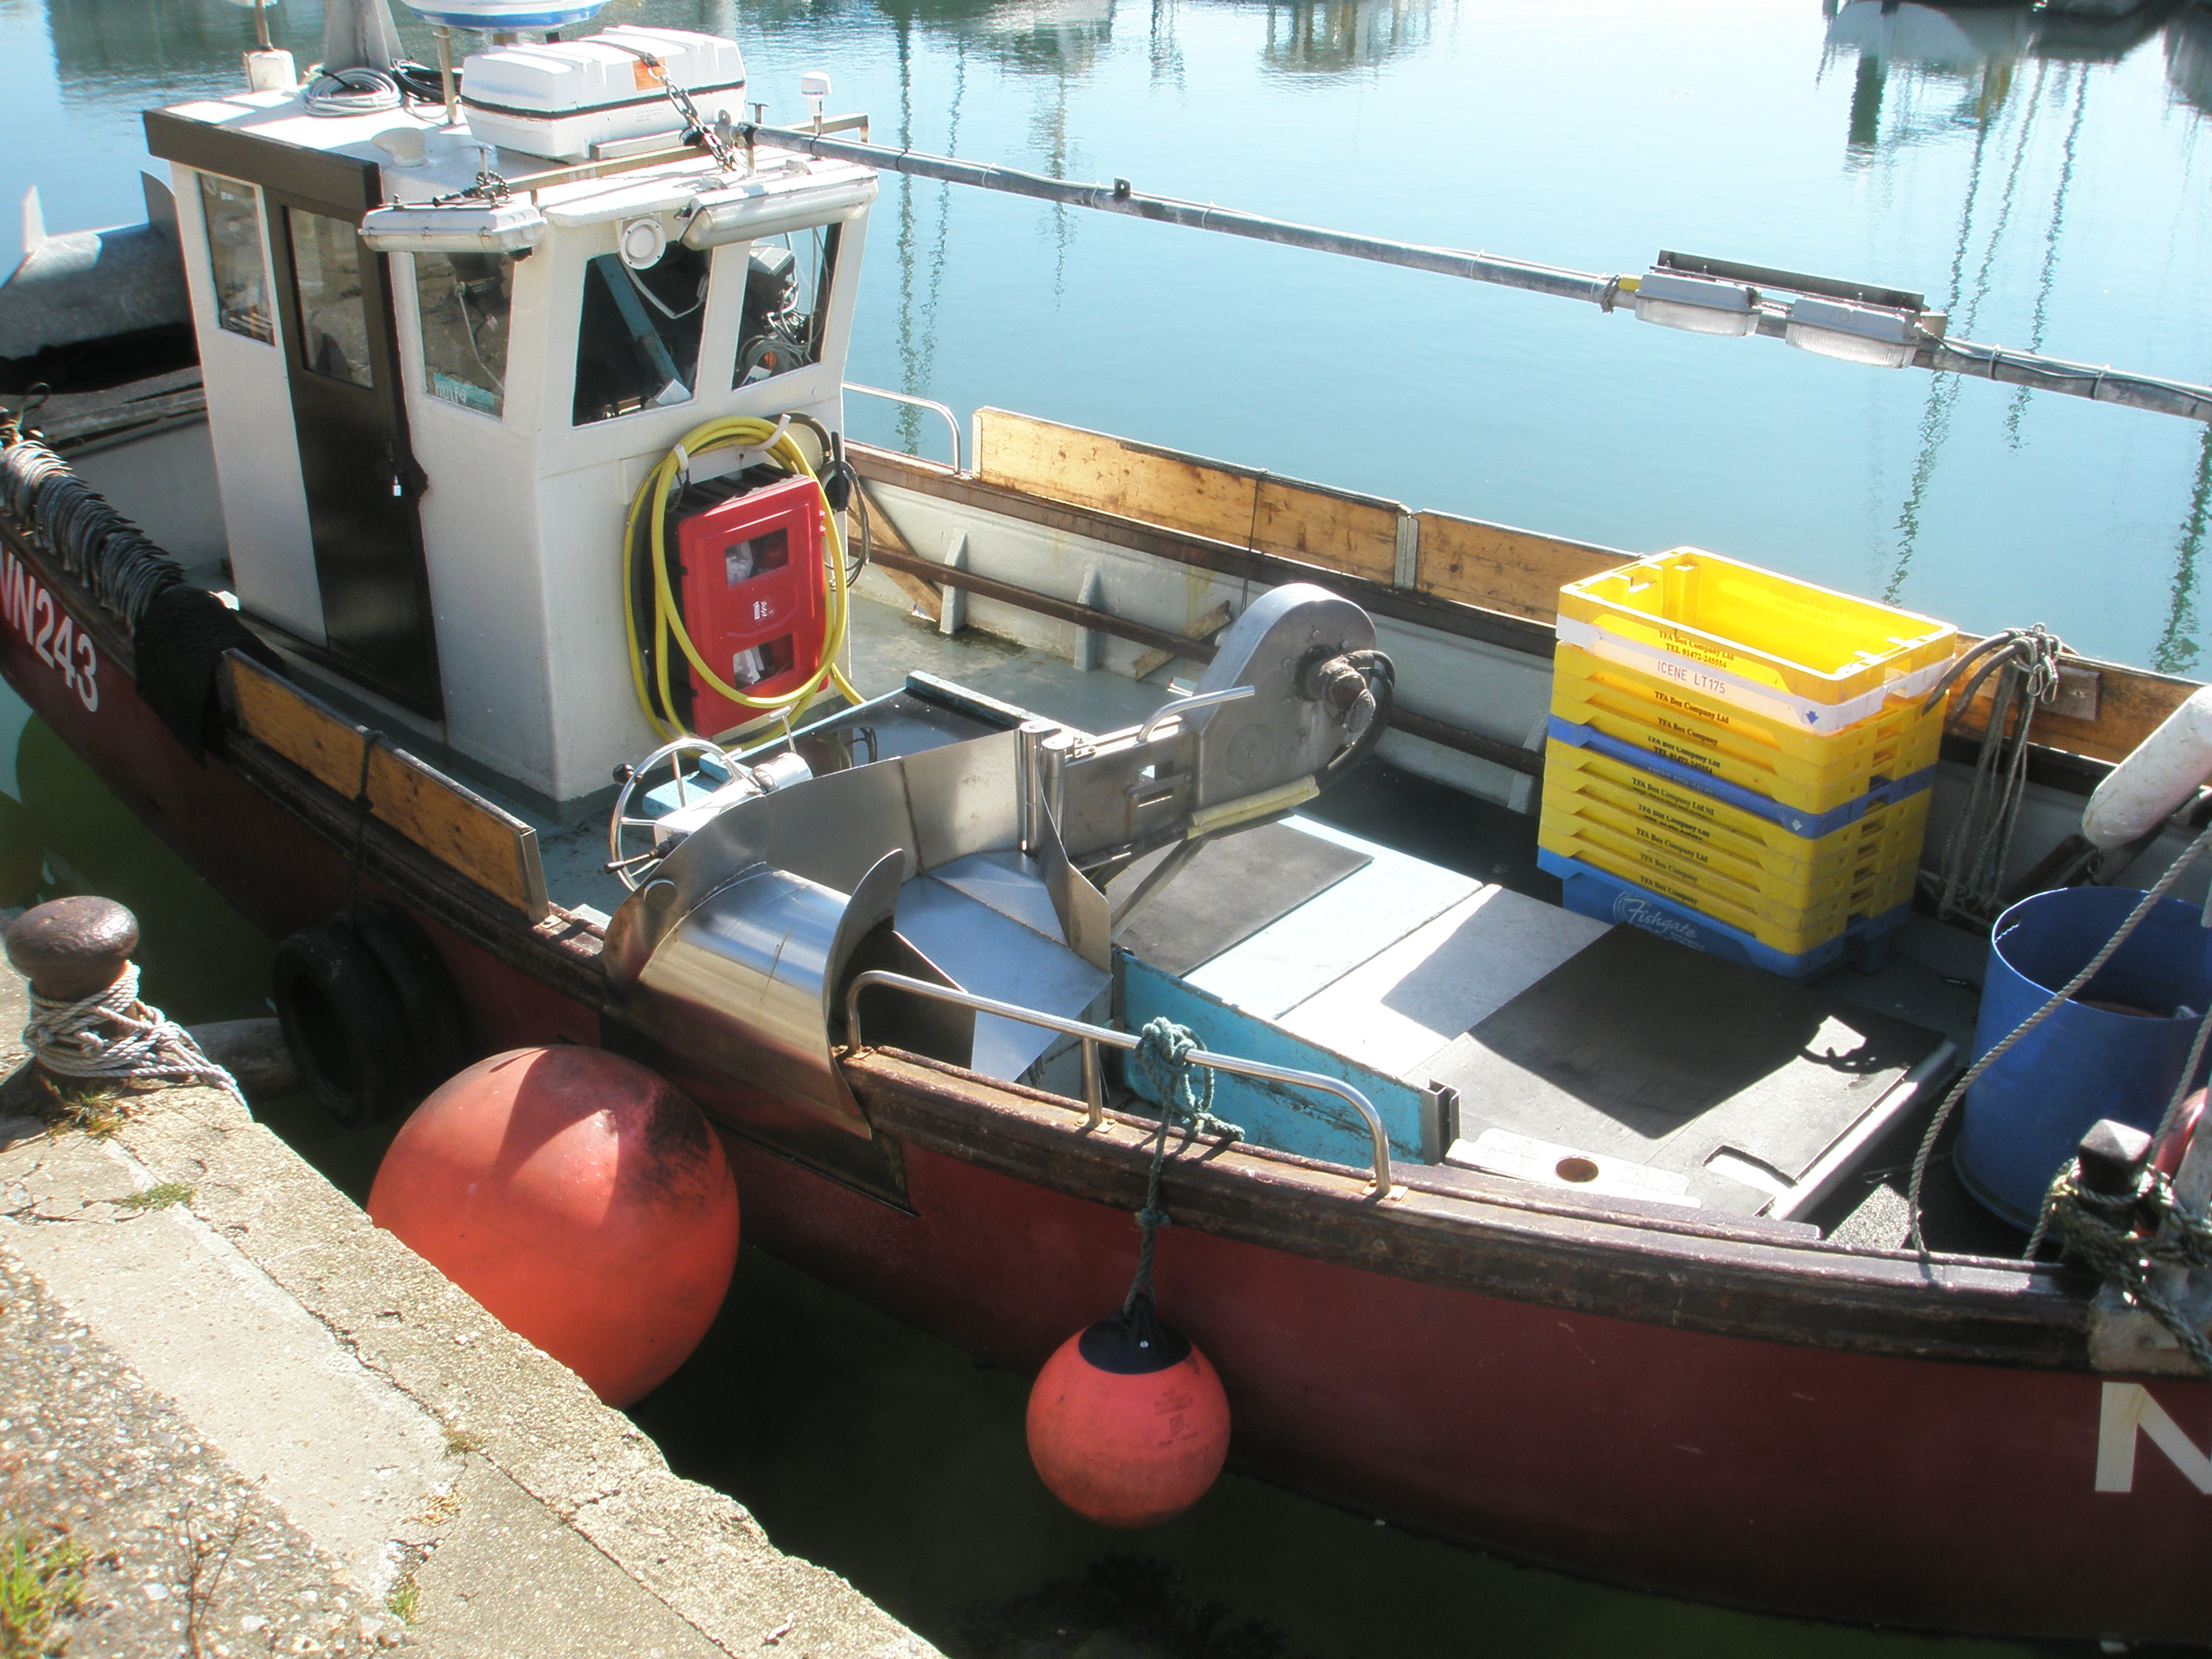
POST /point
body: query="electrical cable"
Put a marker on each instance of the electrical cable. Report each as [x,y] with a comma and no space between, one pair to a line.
[350,91]
[421,82]
[743,432]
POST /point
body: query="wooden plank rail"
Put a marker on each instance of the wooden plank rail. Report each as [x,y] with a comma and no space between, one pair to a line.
[493,849]
[1335,529]
[1502,568]
[1467,564]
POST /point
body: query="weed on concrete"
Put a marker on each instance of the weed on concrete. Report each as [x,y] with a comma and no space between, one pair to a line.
[160,1196]
[41,1580]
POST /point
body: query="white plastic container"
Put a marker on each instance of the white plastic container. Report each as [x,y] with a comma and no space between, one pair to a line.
[559,100]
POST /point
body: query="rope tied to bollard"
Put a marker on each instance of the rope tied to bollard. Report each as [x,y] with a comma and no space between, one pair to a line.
[2122,1236]
[111,1036]
[1185,1094]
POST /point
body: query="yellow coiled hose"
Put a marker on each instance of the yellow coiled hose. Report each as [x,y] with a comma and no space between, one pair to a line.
[743,432]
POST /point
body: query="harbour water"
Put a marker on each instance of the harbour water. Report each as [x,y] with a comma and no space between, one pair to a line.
[2035,174]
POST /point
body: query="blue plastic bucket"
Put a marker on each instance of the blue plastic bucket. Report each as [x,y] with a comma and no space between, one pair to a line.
[2025,1116]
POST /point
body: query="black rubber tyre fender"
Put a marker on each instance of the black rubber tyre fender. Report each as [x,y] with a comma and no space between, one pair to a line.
[429,1002]
[344,1024]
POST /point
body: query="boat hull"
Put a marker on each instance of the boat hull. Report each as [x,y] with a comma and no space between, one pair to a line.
[1785,1475]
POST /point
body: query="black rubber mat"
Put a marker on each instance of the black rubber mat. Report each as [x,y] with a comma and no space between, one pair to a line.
[1639,1048]
[1232,889]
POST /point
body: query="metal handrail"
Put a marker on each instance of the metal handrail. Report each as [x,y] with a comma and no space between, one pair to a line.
[951,421]
[1094,1083]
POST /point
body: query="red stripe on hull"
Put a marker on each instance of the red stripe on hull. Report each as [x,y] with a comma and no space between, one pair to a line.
[1873,1490]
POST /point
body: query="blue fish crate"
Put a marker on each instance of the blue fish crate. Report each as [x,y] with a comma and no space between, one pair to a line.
[1588,892]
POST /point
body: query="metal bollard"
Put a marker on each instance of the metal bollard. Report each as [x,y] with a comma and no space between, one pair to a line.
[72,948]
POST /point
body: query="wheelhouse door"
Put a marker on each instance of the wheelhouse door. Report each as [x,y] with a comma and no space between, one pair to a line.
[334,300]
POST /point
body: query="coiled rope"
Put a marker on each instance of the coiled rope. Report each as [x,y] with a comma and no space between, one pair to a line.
[350,91]
[2026,663]
[1363,684]
[113,1037]
[1185,1094]
[95,544]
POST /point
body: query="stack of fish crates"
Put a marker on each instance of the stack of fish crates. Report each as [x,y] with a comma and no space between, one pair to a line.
[1739,760]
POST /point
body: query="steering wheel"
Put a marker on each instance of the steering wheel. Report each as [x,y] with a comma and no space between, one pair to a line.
[634,867]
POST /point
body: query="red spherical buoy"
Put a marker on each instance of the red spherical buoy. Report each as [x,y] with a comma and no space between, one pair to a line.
[1128,1423]
[581,1198]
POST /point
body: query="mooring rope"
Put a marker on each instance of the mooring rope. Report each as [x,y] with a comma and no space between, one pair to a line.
[1186,1091]
[2124,1236]
[113,1037]
[2025,662]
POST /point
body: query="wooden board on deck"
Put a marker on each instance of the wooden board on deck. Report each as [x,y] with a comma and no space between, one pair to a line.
[457,827]
[1501,568]
[2131,702]
[1336,530]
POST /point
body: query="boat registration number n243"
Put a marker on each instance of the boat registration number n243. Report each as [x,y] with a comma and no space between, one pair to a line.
[50,631]
[2129,1412]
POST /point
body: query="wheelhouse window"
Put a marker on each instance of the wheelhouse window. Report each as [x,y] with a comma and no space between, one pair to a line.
[637,346]
[241,272]
[333,321]
[462,300]
[787,304]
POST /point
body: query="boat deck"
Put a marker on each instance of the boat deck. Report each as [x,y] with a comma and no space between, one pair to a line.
[1920,981]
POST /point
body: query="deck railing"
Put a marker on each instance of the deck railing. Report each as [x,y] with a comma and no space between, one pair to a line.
[1095,1037]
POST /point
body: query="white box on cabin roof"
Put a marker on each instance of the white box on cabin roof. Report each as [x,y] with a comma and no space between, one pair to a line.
[526,490]
[562,98]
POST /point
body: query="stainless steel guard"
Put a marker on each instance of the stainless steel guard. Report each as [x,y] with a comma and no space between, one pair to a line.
[736,951]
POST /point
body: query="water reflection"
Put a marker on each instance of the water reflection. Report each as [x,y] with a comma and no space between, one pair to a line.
[2081,37]
[2070,150]
[1064,37]
[2177,650]
[1309,38]
[1964,59]
[1957,43]
[1925,74]
[2189,58]
[153,52]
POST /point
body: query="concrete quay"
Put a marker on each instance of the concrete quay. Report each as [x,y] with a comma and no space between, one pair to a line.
[237,1418]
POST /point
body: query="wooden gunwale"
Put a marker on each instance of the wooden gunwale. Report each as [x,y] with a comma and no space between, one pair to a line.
[1224,558]
[1703,1278]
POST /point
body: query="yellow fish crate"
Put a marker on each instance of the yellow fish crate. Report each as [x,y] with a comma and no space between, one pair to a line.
[1806,657]
[1655,809]
[1722,894]
[1812,771]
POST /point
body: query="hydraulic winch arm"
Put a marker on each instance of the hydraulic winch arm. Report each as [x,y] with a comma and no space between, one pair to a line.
[1295,695]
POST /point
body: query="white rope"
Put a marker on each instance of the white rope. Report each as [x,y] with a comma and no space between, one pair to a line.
[350,91]
[116,1037]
